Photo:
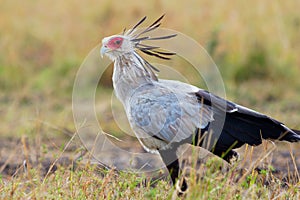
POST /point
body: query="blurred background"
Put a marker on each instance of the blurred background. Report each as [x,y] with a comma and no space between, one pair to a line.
[255,44]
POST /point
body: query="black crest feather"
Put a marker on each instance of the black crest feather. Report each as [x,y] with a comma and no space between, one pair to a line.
[137,38]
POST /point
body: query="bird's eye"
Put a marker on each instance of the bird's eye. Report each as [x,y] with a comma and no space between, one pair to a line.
[115,43]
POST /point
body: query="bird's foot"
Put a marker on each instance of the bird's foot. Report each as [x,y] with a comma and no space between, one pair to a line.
[181,187]
[232,157]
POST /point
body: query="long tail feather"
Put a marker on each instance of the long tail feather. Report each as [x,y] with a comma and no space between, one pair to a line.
[296,131]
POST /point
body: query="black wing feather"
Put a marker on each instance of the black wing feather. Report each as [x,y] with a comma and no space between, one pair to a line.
[243,125]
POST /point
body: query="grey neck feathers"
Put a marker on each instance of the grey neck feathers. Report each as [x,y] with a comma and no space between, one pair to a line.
[130,73]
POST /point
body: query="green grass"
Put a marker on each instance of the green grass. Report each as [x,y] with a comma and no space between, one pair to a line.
[42,44]
[212,180]
[82,184]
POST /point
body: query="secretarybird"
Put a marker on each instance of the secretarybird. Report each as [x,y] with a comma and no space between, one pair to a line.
[165,114]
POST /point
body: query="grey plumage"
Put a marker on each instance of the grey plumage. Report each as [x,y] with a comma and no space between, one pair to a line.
[165,114]
[162,110]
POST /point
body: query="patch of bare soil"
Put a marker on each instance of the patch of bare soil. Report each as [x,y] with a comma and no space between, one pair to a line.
[18,155]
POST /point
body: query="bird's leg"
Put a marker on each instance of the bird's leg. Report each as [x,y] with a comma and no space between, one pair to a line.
[230,156]
[171,161]
[172,166]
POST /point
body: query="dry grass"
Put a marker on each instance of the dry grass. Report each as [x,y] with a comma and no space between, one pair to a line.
[256,46]
[212,179]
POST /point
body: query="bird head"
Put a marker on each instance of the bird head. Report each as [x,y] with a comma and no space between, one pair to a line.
[131,42]
[115,46]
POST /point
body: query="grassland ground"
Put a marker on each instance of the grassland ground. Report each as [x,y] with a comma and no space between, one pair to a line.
[42,45]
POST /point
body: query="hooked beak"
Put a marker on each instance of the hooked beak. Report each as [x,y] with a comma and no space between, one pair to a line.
[103,50]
